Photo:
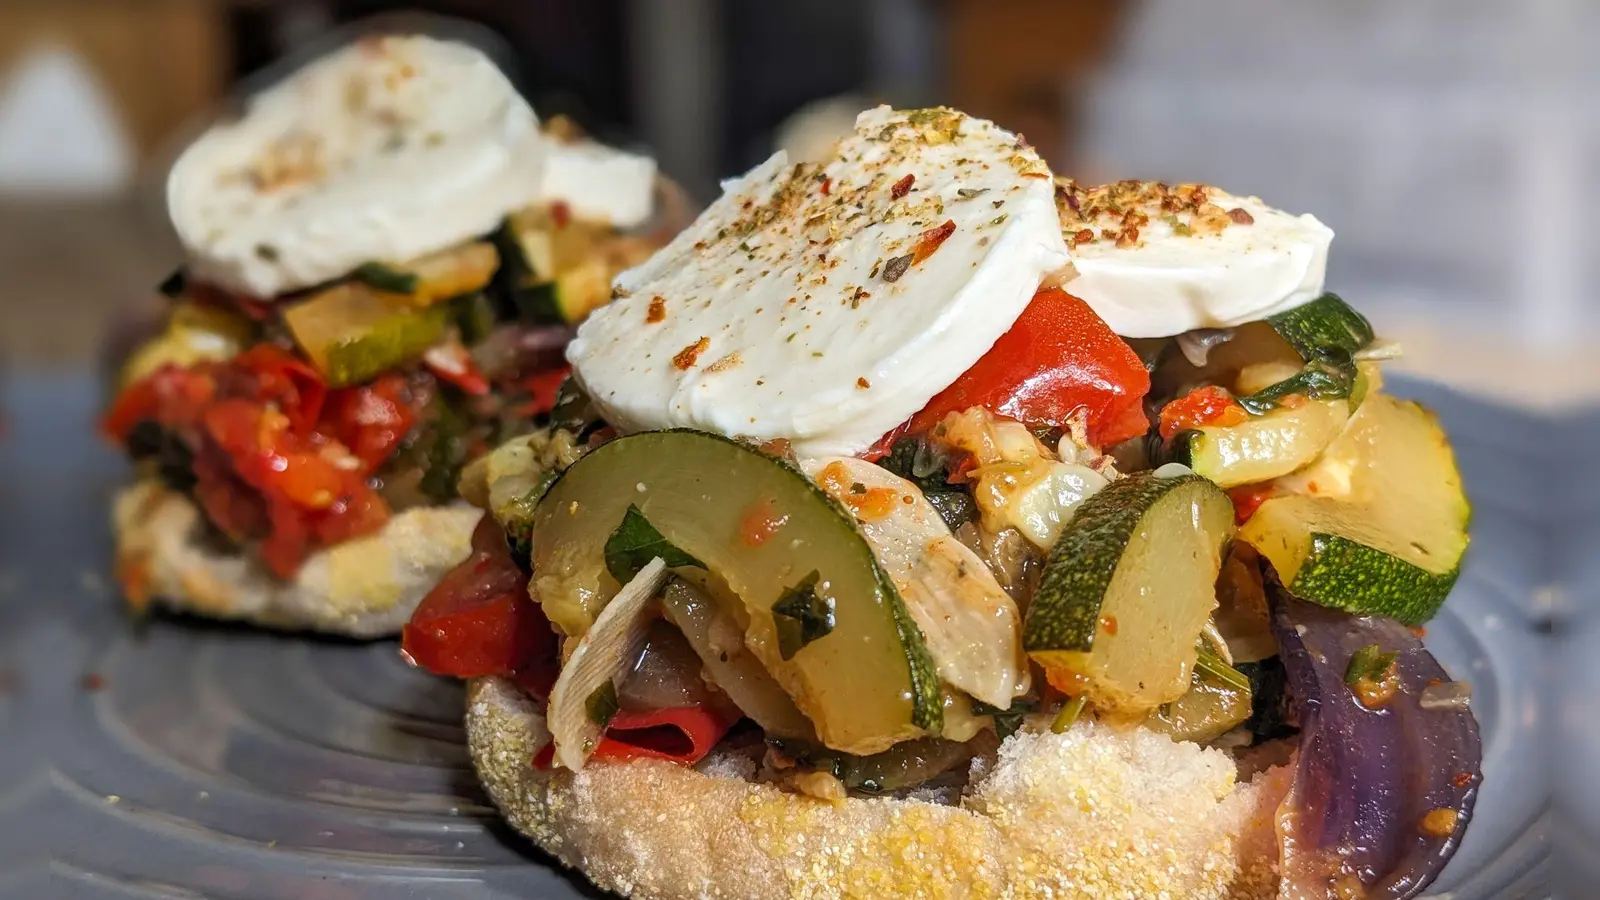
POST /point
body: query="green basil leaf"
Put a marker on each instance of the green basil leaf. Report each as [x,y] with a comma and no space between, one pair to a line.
[801,616]
[636,542]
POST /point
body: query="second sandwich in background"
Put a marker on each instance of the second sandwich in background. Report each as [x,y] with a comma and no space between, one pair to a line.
[384,257]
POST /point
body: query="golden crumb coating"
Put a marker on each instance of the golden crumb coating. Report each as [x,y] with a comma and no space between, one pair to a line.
[1097,812]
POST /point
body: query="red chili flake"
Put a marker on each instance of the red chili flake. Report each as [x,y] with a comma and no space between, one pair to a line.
[561,213]
[863,384]
[93,681]
[1462,779]
[1241,217]
[930,240]
[657,311]
[686,357]
[827,186]
[902,187]
[1108,624]
[1419,632]
[1082,236]
[894,268]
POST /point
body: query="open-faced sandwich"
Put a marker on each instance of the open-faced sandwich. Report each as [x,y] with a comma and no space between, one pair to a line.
[385,256]
[864,558]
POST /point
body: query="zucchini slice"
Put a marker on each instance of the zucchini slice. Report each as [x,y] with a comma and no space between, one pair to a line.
[863,675]
[1378,525]
[353,333]
[1264,447]
[1128,589]
[557,271]
[436,277]
[1323,325]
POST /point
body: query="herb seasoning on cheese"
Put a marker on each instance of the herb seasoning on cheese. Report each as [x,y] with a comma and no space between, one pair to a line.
[878,265]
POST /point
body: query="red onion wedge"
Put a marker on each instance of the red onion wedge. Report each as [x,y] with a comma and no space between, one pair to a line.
[1382,795]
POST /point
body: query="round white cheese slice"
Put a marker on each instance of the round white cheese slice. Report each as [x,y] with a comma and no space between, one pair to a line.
[599,183]
[1154,260]
[825,304]
[388,149]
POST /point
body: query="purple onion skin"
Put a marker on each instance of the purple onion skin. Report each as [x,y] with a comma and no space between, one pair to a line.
[1367,777]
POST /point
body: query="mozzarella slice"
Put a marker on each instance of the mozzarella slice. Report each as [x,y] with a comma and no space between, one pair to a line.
[599,183]
[1154,261]
[792,307]
[388,149]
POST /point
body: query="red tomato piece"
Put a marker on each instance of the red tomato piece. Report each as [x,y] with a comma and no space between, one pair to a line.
[284,379]
[1247,498]
[683,735]
[371,420]
[479,620]
[171,396]
[1057,359]
[1210,405]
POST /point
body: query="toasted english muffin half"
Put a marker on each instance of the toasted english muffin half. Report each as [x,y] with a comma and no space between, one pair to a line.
[363,588]
[1098,812]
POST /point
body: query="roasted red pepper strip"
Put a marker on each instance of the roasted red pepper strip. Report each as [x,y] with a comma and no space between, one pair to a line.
[541,389]
[1247,498]
[683,735]
[1058,358]
[451,362]
[479,620]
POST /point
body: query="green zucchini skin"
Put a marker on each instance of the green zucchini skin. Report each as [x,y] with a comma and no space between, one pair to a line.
[1325,324]
[696,486]
[1065,614]
[1339,570]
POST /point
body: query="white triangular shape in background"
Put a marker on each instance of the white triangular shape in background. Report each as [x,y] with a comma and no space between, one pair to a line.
[58,130]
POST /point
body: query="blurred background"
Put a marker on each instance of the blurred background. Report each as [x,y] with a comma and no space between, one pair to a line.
[1444,140]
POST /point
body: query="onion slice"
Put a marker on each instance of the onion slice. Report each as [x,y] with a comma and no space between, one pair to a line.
[1381,796]
[719,642]
[605,655]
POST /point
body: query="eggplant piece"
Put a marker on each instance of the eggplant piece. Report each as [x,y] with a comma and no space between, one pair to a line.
[1382,794]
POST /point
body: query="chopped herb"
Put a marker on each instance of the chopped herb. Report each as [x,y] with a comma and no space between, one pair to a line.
[922,464]
[636,542]
[1371,664]
[969,193]
[998,219]
[266,253]
[175,284]
[384,278]
[858,488]
[896,267]
[1069,715]
[1208,662]
[801,616]
[602,705]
